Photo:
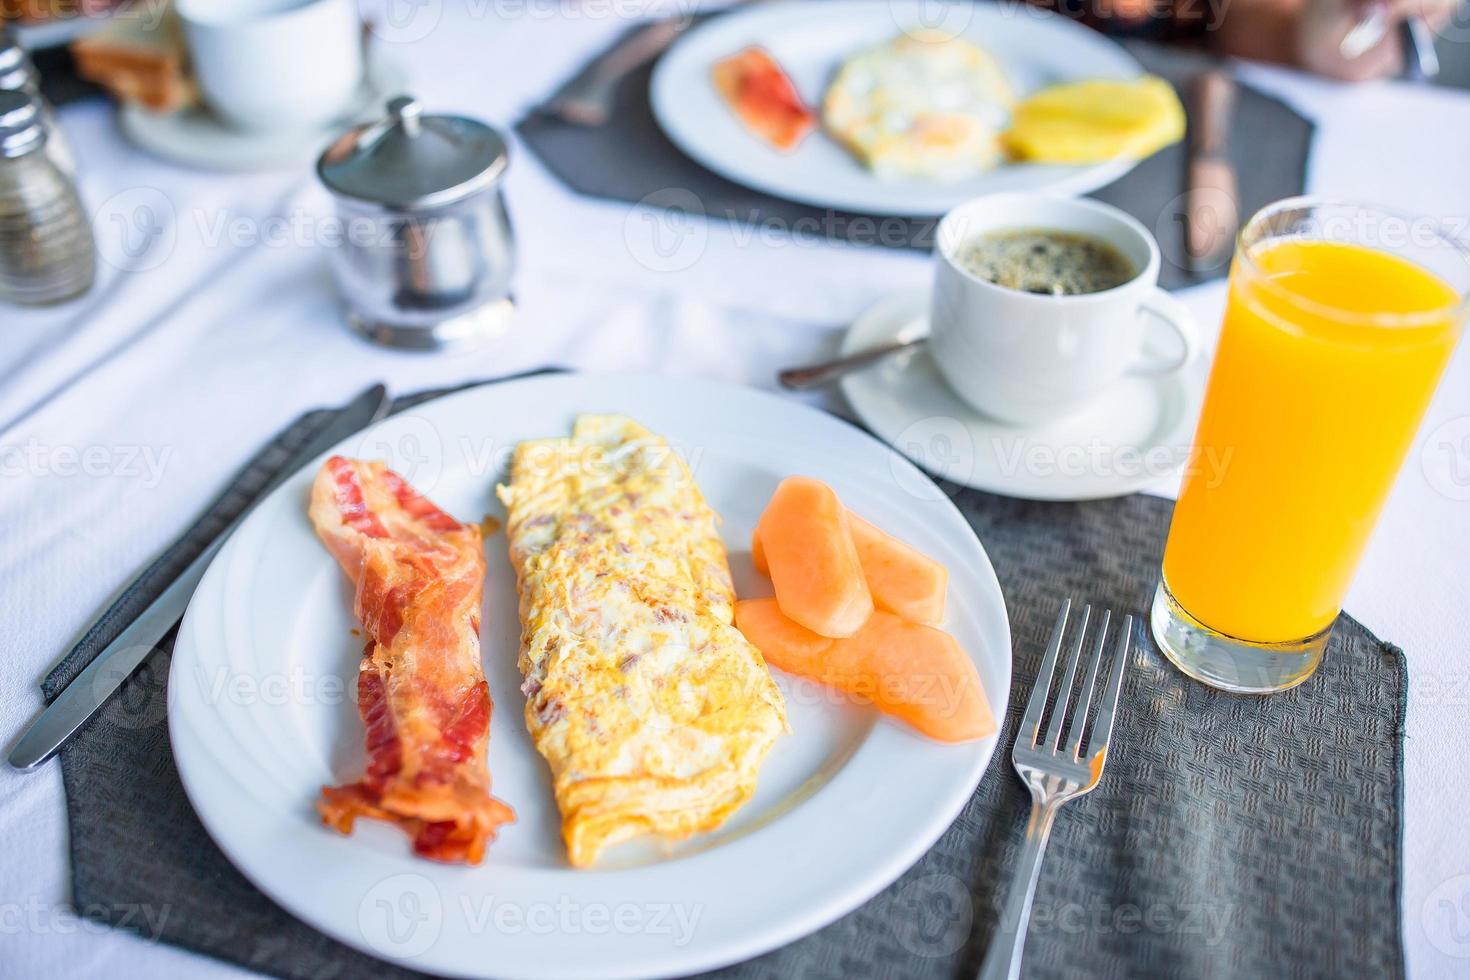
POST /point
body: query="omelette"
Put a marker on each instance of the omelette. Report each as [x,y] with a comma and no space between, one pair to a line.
[652,711]
[924,105]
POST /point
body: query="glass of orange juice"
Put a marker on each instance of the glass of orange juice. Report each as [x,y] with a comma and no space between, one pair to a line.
[1339,322]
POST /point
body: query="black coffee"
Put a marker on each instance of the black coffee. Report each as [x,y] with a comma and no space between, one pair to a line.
[1053,263]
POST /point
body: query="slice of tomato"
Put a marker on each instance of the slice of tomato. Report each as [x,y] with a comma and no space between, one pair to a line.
[763,97]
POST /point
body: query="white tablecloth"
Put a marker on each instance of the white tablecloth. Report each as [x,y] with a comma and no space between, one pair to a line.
[214,324]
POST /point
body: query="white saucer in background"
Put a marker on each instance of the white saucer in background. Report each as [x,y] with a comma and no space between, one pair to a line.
[1138,432]
[196,137]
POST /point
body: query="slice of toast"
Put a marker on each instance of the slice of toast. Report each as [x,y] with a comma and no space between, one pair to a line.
[140,58]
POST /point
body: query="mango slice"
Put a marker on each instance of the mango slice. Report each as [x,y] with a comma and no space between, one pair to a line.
[1096,121]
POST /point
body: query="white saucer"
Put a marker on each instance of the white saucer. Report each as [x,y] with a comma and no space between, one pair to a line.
[1137,433]
[197,137]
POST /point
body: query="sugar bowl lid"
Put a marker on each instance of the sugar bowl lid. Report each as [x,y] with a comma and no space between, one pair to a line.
[412,160]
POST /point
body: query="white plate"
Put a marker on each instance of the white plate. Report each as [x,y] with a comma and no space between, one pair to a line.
[197,137]
[811,38]
[1138,432]
[846,803]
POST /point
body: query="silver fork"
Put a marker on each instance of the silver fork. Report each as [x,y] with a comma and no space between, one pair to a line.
[1054,771]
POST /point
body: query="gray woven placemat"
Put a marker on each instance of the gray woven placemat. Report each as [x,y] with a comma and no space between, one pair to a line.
[630,159]
[1231,836]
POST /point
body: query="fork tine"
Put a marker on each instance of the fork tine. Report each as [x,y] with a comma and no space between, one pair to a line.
[1064,693]
[1084,700]
[1102,728]
[1031,721]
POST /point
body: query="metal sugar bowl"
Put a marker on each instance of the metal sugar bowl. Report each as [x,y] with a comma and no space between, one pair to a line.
[425,256]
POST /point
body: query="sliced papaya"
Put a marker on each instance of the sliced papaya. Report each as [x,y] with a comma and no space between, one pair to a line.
[903,580]
[900,578]
[811,558]
[758,553]
[914,672]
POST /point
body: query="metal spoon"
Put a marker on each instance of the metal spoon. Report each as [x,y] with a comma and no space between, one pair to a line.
[824,373]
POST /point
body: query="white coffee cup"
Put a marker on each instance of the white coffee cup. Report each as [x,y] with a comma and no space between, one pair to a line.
[1029,358]
[275,64]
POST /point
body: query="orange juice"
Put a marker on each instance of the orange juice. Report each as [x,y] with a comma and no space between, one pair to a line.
[1328,357]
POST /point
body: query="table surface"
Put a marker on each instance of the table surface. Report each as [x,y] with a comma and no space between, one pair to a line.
[214,324]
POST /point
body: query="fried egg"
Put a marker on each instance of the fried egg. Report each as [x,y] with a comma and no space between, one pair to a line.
[923,105]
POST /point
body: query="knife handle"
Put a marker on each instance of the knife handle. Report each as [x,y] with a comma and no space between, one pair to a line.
[1212,210]
[115,662]
[1214,98]
[112,666]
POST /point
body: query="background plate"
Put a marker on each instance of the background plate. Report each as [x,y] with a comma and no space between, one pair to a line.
[811,39]
[259,718]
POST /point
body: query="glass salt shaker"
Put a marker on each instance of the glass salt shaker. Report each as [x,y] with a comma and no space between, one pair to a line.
[47,253]
[18,74]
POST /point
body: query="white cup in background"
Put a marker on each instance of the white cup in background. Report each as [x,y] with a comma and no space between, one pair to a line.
[1028,358]
[275,64]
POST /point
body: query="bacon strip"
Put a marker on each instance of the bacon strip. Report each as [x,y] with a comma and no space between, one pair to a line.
[420,688]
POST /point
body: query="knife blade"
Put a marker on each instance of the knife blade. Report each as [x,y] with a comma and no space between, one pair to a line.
[1212,210]
[115,663]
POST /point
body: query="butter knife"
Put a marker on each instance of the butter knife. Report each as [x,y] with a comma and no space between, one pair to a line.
[90,689]
[1212,209]
[587,99]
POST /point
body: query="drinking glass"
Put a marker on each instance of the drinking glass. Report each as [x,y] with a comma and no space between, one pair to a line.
[1339,322]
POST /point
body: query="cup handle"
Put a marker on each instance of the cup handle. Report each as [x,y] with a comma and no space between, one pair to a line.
[1172,313]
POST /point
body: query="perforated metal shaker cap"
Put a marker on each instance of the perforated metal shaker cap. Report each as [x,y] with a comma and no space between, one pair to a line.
[22,127]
